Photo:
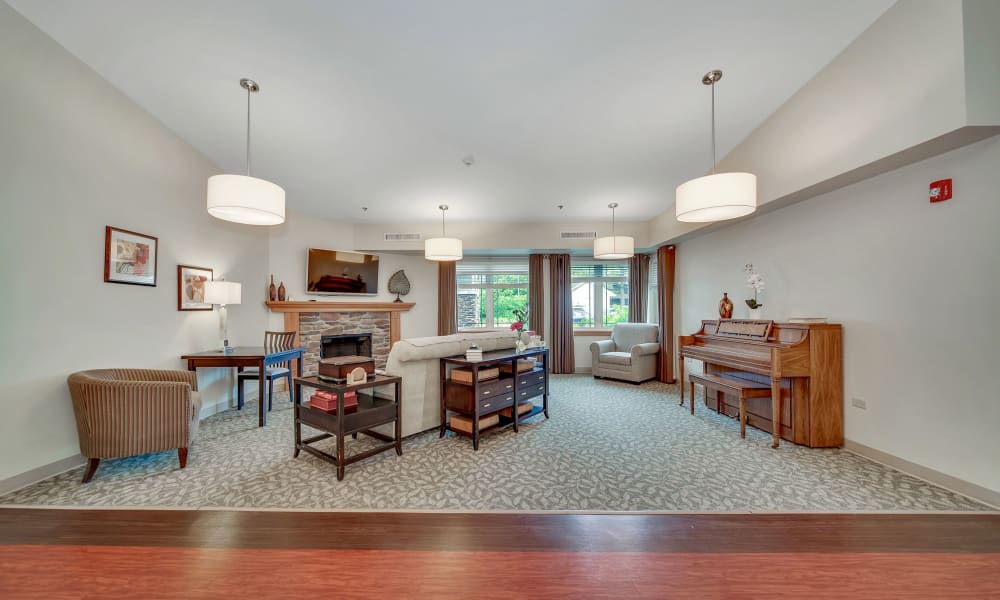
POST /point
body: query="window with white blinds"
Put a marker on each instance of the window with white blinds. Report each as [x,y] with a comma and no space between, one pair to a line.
[600,293]
[489,289]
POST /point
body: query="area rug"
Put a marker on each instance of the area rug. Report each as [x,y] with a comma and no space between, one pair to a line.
[607,447]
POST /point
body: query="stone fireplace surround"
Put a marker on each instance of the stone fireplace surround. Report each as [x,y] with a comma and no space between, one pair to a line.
[313,320]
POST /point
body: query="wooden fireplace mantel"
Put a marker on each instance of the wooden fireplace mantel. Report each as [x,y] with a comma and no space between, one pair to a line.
[292,309]
[301,306]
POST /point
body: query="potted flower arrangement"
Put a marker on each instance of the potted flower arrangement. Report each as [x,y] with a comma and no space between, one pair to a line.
[756,281]
[521,314]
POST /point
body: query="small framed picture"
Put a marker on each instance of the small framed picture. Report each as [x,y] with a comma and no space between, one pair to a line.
[191,287]
[129,257]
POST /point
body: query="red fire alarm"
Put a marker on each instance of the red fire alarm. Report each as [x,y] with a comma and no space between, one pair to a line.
[940,190]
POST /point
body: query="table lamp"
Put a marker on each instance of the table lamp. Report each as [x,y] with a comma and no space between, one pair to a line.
[222,293]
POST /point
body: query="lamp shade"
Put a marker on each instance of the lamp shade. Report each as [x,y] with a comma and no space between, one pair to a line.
[443,248]
[247,200]
[717,197]
[223,292]
[617,246]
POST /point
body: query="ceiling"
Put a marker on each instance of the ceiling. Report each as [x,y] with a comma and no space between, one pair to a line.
[374,104]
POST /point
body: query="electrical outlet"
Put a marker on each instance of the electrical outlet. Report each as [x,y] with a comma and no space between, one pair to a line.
[859,403]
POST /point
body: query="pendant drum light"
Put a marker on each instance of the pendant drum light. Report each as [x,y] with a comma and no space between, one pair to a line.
[718,196]
[614,246]
[443,248]
[242,198]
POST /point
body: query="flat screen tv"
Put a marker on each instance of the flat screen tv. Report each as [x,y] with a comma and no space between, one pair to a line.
[339,272]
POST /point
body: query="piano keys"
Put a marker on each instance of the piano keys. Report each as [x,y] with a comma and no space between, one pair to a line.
[802,362]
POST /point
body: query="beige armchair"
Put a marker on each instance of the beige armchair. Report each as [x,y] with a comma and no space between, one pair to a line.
[127,412]
[630,354]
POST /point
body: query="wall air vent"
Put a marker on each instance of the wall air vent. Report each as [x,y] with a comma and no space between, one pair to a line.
[402,237]
[577,235]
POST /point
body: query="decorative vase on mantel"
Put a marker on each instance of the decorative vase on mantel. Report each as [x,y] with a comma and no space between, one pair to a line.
[281,292]
[272,292]
[726,306]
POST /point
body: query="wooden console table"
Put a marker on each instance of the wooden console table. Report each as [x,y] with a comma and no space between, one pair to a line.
[483,398]
[371,412]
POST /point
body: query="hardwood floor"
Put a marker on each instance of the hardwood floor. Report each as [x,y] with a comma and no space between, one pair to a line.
[84,554]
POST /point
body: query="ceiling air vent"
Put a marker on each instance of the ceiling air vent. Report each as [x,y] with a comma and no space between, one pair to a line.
[402,237]
[577,235]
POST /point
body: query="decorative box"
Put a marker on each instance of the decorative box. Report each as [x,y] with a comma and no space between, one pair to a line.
[523,364]
[463,375]
[464,424]
[327,402]
[336,368]
[522,407]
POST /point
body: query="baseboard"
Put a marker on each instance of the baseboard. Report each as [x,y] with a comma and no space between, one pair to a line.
[954,484]
[212,408]
[583,369]
[37,474]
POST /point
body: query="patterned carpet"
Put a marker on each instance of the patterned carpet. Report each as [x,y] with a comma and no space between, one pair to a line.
[608,446]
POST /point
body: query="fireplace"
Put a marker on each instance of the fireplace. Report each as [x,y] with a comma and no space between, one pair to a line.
[351,344]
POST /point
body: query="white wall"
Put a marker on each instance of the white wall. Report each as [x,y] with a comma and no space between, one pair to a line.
[288,248]
[914,284]
[76,155]
[920,81]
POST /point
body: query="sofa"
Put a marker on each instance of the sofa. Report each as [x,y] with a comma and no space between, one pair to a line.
[630,354]
[128,412]
[416,361]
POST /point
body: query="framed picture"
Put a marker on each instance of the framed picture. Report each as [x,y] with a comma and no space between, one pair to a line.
[191,287]
[129,257]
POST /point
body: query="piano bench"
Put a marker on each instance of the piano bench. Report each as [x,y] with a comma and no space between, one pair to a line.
[740,388]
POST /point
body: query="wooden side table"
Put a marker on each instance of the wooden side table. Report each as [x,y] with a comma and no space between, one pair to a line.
[372,411]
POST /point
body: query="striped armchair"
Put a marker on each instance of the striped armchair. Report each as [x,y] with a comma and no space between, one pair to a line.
[127,412]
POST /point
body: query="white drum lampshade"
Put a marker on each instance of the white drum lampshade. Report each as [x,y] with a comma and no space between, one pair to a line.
[443,248]
[223,292]
[245,199]
[614,247]
[717,197]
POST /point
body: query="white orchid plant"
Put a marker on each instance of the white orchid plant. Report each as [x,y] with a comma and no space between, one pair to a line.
[756,281]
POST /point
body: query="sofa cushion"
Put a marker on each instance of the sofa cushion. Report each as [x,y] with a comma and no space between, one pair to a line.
[617,358]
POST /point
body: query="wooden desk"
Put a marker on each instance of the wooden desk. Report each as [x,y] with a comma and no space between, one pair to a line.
[248,356]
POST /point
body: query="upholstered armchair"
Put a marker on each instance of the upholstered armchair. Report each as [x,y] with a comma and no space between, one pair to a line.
[127,412]
[630,354]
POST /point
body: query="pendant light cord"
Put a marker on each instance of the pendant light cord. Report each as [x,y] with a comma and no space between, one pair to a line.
[248,132]
[713,128]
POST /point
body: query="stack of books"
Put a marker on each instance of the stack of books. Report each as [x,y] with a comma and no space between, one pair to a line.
[474,353]
[327,402]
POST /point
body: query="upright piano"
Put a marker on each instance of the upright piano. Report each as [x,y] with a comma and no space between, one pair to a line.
[802,363]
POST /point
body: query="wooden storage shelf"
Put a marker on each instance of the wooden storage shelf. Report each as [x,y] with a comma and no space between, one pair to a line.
[481,398]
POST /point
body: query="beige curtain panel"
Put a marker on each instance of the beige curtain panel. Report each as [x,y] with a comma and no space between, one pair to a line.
[447,298]
[638,287]
[561,344]
[665,257]
[536,294]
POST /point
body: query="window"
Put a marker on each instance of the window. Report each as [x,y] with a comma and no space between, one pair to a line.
[490,290]
[653,299]
[600,293]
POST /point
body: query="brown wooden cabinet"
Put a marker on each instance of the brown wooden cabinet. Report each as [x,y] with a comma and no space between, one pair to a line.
[481,399]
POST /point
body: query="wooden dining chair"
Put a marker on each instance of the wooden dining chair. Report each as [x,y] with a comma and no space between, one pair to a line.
[274,341]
